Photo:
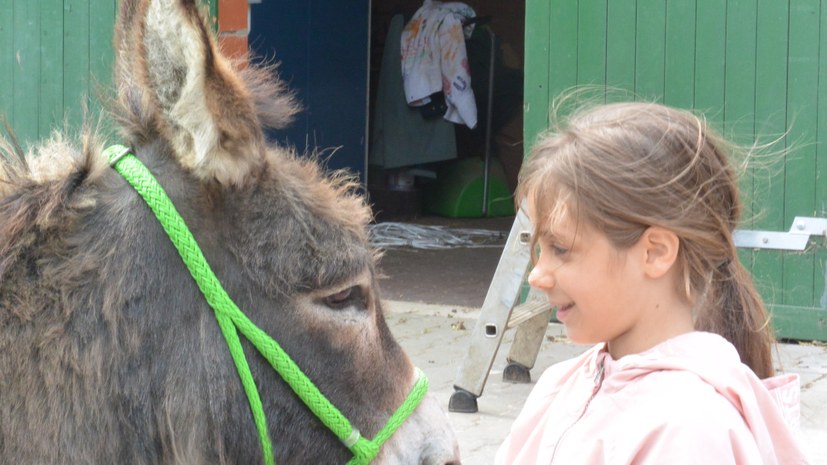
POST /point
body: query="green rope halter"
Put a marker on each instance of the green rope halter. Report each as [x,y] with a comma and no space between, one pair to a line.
[231,320]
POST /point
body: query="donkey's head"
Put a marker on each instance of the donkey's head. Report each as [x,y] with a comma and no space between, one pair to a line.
[116,354]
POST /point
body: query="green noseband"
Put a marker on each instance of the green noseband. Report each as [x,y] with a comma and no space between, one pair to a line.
[231,320]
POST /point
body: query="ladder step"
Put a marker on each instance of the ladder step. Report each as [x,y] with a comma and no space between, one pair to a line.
[526,311]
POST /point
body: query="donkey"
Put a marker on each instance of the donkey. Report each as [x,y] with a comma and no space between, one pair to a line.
[109,352]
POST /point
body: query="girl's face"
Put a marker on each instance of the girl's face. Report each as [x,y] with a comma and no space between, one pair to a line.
[595,286]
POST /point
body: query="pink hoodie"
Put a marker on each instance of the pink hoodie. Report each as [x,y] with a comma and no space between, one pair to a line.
[687,400]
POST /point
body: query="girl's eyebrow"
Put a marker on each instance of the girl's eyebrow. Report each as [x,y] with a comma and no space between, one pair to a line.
[547,235]
[550,236]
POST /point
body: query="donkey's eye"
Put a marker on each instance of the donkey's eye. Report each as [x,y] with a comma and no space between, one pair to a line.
[350,296]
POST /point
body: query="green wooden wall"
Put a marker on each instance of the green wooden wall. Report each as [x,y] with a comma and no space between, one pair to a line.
[54,55]
[752,66]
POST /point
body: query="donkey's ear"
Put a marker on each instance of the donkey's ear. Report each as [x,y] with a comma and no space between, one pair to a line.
[167,58]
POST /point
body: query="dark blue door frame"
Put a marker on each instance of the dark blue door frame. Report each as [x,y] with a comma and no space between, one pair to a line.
[322,46]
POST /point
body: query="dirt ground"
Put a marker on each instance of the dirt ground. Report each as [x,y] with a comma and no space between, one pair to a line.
[458,276]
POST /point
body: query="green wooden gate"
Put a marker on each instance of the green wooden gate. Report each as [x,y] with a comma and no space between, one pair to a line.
[54,55]
[753,67]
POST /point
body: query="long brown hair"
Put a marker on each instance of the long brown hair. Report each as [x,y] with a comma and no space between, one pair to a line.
[624,167]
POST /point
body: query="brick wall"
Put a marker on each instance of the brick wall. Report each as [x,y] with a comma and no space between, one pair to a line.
[233,27]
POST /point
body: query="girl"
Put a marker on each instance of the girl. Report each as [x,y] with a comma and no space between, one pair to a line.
[633,207]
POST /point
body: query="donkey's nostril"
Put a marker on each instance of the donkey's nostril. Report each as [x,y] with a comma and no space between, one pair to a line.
[452,461]
[446,457]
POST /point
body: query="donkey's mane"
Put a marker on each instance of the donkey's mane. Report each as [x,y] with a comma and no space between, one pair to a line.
[44,189]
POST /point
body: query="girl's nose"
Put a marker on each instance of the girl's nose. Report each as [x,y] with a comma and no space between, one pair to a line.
[540,277]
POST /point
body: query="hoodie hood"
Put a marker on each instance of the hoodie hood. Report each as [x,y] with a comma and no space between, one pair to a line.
[669,404]
[770,407]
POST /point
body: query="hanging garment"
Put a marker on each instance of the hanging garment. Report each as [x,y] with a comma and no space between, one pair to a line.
[400,136]
[434,59]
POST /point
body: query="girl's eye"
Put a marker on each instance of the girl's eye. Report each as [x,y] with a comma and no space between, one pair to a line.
[559,251]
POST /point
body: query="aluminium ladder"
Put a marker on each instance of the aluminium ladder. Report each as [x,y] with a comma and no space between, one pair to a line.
[499,313]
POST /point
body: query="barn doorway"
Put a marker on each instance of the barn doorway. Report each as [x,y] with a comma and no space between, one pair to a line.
[420,164]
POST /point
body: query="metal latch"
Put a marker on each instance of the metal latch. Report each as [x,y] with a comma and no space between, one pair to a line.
[795,239]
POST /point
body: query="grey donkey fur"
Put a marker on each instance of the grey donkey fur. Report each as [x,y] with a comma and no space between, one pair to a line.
[108,352]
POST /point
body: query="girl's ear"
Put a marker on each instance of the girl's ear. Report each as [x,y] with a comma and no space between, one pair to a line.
[660,247]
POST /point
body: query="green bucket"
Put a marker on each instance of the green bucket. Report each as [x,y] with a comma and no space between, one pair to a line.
[458,189]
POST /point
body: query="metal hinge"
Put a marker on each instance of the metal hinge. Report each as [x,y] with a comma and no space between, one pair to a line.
[795,239]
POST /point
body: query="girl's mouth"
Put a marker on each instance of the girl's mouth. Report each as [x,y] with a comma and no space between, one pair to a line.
[563,310]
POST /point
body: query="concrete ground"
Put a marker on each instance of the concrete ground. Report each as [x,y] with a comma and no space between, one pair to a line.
[432,303]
